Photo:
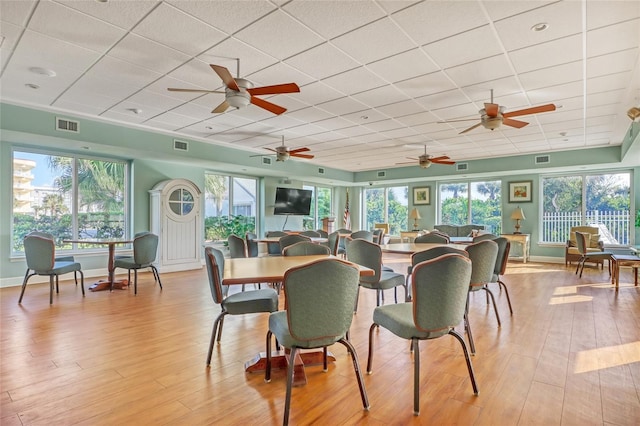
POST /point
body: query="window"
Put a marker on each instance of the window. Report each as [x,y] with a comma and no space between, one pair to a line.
[386,205]
[476,203]
[69,197]
[320,207]
[230,206]
[602,200]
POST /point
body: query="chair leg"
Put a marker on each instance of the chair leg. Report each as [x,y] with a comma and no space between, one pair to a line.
[325,366]
[57,284]
[213,336]
[24,285]
[370,357]
[506,291]
[81,281]
[416,376]
[267,369]
[221,323]
[51,289]
[468,359]
[467,327]
[157,274]
[287,401]
[356,369]
[135,281]
[493,300]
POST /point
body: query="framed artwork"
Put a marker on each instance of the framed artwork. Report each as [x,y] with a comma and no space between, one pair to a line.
[422,196]
[520,192]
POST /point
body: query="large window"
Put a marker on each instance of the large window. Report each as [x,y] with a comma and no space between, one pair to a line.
[68,196]
[320,207]
[386,205]
[230,206]
[601,200]
[476,203]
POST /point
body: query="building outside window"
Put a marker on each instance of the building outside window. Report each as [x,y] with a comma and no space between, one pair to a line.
[230,206]
[478,203]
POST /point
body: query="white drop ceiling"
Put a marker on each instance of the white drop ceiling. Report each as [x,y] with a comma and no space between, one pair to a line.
[376,77]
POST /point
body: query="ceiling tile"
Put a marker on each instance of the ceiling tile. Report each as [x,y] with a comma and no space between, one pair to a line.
[604,13]
[236,56]
[323,61]
[612,63]
[552,76]
[355,81]
[480,71]
[613,38]
[403,66]
[148,54]
[463,48]
[16,12]
[428,84]
[124,14]
[556,52]
[343,106]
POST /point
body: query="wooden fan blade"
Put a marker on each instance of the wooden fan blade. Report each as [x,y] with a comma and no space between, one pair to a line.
[271,149]
[514,123]
[293,154]
[470,128]
[295,151]
[457,121]
[275,89]
[491,109]
[173,89]
[221,108]
[435,159]
[226,77]
[409,162]
[448,162]
[532,110]
[276,109]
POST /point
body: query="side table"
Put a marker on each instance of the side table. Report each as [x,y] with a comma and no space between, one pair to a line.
[524,240]
[618,260]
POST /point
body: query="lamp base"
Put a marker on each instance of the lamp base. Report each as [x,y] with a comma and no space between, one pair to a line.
[517,232]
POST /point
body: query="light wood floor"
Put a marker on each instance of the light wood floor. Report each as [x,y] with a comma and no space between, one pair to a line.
[569,355]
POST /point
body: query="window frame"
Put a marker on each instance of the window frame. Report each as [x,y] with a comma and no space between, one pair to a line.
[314,205]
[386,189]
[469,188]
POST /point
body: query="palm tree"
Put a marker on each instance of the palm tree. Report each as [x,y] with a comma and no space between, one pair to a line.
[216,186]
[489,188]
[455,188]
[54,203]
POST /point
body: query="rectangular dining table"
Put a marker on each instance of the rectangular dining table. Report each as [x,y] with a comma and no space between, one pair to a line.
[111,282]
[271,269]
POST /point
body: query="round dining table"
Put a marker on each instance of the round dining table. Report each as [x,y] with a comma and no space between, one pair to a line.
[111,282]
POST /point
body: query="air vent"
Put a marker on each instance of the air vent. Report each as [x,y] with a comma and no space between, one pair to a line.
[179,145]
[320,170]
[462,167]
[543,159]
[67,125]
[266,160]
[381,174]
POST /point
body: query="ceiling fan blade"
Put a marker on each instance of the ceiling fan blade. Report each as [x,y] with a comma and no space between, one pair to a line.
[532,110]
[276,109]
[514,123]
[293,154]
[173,89]
[470,128]
[271,149]
[221,108]
[297,150]
[448,162]
[226,77]
[491,109]
[457,121]
[275,89]
[444,157]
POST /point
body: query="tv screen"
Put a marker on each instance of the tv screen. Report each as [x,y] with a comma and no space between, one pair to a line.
[292,201]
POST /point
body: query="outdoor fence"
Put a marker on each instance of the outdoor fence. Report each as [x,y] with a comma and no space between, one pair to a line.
[614,225]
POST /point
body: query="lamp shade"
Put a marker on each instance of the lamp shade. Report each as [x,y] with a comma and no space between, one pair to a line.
[518,214]
[415,214]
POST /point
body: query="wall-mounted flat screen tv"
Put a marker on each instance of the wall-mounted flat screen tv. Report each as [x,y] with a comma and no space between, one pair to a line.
[293,201]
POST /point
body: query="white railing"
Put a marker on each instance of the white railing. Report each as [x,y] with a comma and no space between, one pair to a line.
[614,225]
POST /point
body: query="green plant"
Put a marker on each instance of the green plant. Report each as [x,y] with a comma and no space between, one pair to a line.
[220,227]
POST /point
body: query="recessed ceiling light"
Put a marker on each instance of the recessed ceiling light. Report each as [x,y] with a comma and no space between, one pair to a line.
[43,71]
[85,147]
[540,27]
[208,127]
[32,86]
[364,117]
[563,133]
[135,110]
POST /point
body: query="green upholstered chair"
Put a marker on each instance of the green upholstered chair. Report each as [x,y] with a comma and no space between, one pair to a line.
[320,297]
[323,233]
[306,248]
[274,247]
[333,241]
[145,248]
[483,237]
[589,256]
[66,258]
[440,288]
[421,256]
[245,302]
[252,244]
[504,246]
[40,253]
[342,250]
[288,240]
[237,247]
[311,234]
[363,235]
[432,237]
[483,257]
[369,254]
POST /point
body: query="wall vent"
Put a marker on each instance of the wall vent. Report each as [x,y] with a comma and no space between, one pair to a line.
[266,160]
[381,174]
[462,167]
[543,159]
[67,125]
[179,145]
[320,170]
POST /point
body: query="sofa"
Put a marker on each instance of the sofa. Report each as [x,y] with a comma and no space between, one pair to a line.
[595,244]
[458,230]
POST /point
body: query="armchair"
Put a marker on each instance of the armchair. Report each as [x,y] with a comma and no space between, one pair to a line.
[594,245]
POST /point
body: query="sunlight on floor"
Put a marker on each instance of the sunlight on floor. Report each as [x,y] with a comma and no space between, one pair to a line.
[577,298]
[610,356]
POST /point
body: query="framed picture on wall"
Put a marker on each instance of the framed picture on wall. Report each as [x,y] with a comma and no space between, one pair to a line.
[422,196]
[520,192]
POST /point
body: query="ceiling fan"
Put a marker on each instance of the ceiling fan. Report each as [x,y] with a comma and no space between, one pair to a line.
[426,160]
[493,116]
[240,92]
[283,153]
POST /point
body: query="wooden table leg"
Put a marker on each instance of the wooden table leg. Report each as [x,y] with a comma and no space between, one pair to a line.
[280,360]
[111,282]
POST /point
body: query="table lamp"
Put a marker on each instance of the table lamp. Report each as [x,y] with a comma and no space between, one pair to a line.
[415,215]
[517,215]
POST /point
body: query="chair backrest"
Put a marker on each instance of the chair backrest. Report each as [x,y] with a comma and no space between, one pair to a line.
[215,270]
[383,226]
[323,233]
[591,239]
[344,231]
[363,235]
[252,244]
[237,247]
[320,298]
[333,240]
[581,241]
[440,288]
[367,254]
[40,234]
[275,234]
[145,248]
[288,240]
[305,248]
[432,237]
[483,237]
[40,252]
[378,234]
[313,234]
[504,246]
[483,257]
[421,256]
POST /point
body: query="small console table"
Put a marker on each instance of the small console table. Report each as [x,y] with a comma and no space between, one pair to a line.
[524,240]
[409,235]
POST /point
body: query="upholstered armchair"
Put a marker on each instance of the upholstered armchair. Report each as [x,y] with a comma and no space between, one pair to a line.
[595,244]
